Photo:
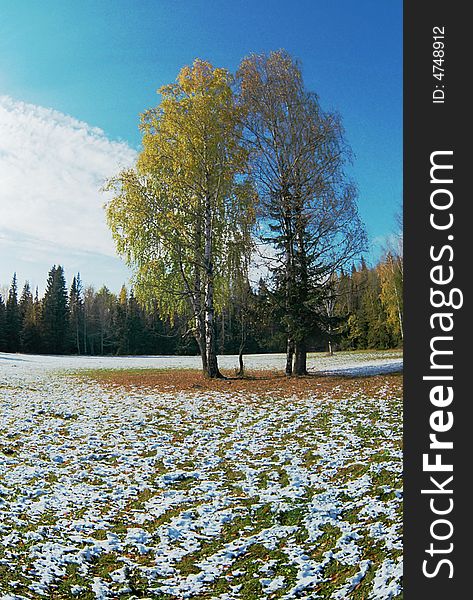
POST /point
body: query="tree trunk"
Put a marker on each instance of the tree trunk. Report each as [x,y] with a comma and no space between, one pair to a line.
[222,334]
[330,345]
[199,338]
[210,341]
[289,289]
[241,364]
[242,346]
[300,362]
[289,356]
[199,331]
[210,345]
[196,298]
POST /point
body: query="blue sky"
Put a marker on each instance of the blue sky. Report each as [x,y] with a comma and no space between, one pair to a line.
[74,77]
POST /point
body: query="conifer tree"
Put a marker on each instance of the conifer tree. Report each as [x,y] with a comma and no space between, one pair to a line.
[26,299]
[89,331]
[134,326]
[103,307]
[2,325]
[38,306]
[76,314]
[119,322]
[29,332]
[55,313]
[12,318]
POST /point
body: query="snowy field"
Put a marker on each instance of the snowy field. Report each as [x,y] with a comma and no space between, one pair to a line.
[128,492]
[361,363]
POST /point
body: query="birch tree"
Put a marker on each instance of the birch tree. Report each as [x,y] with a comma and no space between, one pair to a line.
[182,217]
[309,212]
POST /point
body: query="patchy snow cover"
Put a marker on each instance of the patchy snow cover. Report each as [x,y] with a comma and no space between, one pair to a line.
[362,363]
[108,493]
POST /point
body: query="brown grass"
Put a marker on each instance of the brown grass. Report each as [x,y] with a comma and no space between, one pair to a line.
[254,382]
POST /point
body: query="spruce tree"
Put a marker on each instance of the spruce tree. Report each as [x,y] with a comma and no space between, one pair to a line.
[119,322]
[134,326]
[29,333]
[38,306]
[55,313]
[2,325]
[26,299]
[104,302]
[12,319]
[76,315]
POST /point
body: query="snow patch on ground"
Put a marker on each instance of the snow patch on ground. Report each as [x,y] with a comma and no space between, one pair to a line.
[112,491]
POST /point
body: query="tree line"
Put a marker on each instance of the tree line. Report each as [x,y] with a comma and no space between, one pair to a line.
[362,310]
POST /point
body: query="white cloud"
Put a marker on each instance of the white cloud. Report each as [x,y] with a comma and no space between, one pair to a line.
[52,167]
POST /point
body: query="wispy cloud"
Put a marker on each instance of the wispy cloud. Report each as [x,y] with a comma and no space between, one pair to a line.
[52,167]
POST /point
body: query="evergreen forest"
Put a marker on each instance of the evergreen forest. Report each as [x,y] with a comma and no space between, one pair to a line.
[362,309]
